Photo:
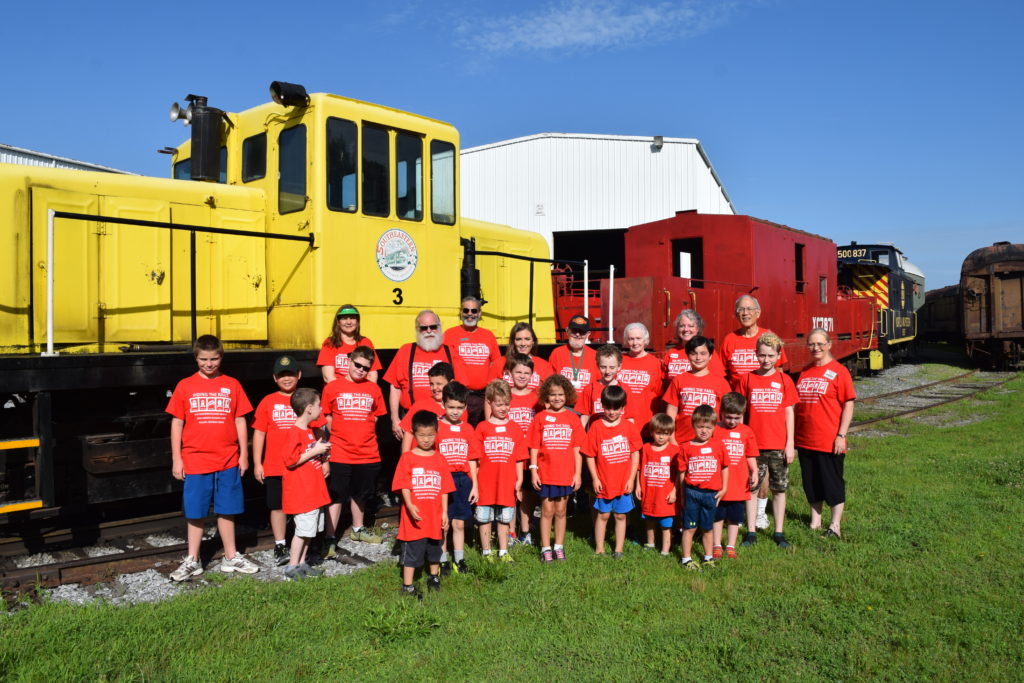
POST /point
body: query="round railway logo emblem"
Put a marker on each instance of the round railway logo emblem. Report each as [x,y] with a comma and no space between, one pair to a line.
[397,255]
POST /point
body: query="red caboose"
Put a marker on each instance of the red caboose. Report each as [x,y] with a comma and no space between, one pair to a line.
[707,261]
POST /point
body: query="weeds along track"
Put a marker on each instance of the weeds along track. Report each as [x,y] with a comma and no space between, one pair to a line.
[910,402]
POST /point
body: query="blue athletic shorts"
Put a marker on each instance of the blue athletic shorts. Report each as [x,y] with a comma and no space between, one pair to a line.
[548,491]
[663,522]
[223,489]
[699,509]
[458,500]
[732,511]
[620,505]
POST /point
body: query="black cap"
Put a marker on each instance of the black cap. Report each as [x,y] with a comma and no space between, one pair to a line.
[579,324]
[285,364]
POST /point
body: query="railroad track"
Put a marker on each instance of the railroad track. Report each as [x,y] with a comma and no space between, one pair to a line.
[910,402]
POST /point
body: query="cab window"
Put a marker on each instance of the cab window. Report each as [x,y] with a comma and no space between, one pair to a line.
[254,158]
[342,163]
[183,169]
[442,182]
[291,181]
[409,185]
[376,172]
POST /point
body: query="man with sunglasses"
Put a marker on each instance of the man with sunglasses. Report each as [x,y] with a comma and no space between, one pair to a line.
[477,348]
[407,373]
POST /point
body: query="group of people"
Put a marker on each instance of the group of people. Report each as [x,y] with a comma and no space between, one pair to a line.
[687,437]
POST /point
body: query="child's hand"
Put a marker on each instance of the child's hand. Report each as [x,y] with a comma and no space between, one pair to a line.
[474,495]
[414,512]
[639,493]
[790,454]
[444,520]
[719,496]
[577,481]
[326,467]
[671,497]
[628,488]
[396,428]
[519,493]
[598,486]
[535,479]
[754,484]
[178,471]
[257,471]
[320,447]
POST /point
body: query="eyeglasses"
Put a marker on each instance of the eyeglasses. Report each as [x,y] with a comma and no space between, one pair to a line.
[424,328]
[747,309]
[471,311]
[817,345]
[360,366]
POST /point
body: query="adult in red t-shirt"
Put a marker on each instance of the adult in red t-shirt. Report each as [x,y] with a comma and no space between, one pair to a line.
[576,361]
[738,351]
[522,339]
[345,337]
[477,348]
[640,374]
[694,388]
[823,417]
[688,325]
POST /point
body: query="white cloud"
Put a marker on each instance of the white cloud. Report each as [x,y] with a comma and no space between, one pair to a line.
[580,25]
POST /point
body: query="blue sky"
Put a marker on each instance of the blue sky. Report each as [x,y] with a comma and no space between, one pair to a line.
[893,121]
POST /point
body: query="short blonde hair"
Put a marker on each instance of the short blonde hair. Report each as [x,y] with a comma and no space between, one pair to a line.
[771,340]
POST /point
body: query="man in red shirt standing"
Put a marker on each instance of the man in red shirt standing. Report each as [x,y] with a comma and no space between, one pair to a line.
[738,350]
[477,348]
[576,361]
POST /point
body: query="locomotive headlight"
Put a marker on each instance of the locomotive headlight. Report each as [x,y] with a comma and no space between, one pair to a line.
[289,94]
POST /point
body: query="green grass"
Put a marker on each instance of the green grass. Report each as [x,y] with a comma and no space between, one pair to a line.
[926,585]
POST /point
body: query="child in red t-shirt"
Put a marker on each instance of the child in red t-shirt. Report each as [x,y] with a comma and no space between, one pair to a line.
[523,406]
[304,493]
[351,405]
[741,455]
[656,487]
[694,388]
[772,400]
[424,480]
[556,437]
[210,453]
[438,376]
[609,363]
[273,418]
[456,442]
[501,445]
[704,472]
[613,455]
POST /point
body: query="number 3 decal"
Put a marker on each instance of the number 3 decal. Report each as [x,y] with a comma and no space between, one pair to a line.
[398,296]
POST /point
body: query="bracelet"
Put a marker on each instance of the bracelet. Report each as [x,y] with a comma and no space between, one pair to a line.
[533,467]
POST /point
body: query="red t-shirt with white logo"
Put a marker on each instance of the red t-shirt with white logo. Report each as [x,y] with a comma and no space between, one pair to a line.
[427,477]
[703,464]
[397,374]
[500,448]
[274,417]
[541,371]
[477,349]
[612,448]
[209,406]
[581,371]
[302,488]
[767,400]
[823,391]
[457,445]
[676,362]
[522,408]
[556,436]
[424,404]
[740,444]
[337,356]
[354,408]
[657,477]
[686,392]
[739,355]
[641,377]
[589,400]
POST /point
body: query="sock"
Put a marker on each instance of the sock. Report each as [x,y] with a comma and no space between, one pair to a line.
[707,557]
[687,560]
[730,547]
[485,553]
[279,542]
[762,505]
[502,553]
[718,546]
[444,557]
[356,529]
[547,547]
[559,546]
[459,555]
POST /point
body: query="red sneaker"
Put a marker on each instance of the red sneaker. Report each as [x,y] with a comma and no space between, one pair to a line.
[716,552]
[730,552]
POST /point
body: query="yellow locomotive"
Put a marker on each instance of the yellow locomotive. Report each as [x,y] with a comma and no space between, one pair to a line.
[308,202]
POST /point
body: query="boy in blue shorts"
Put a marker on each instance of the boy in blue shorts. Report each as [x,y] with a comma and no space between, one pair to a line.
[704,473]
[210,453]
[456,442]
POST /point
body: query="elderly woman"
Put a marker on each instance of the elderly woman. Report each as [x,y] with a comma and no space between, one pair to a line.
[640,375]
[345,337]
[522,339]
[823,417]
[688,325]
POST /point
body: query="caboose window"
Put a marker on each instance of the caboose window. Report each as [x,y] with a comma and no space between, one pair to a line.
[376,172]
[409,188]
[291,173]
[688,260]
[342,160]
[442,182]
[254,158]
[823,289]
[798,262]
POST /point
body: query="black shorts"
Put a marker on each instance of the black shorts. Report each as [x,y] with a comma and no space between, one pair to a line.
[458,500]
[822,475]
[358,482]
[419,552]
[273,487]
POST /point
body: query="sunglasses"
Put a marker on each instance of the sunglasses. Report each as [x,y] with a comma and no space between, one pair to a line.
[360,366]
[424,328]
[470,311]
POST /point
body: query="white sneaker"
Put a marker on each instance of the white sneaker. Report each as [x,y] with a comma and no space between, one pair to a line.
[239,563]
[189,568]
[762,521]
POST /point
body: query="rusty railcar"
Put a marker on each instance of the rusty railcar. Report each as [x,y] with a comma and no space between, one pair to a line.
[992,304]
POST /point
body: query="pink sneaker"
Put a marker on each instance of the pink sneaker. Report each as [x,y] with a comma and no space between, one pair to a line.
[546,556]
[560,554]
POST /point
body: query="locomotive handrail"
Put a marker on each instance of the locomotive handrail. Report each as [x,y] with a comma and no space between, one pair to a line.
[167,225]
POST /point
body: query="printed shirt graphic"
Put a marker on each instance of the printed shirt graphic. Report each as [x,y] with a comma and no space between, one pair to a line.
[354,408]
[611,447]
[767,400]
[427,477]
[303,488]
[739,355]
[579,371]
[676,363]
[642,378]
[740,444]
[688,391]
[522,409]
[477,350]
[556,435]
[457,444]
[500,448]
[657,477]
[589,401]
[541,371]
[274,417]
[209,442]
[337,356]
[397,374]
[822,391]
[703,464]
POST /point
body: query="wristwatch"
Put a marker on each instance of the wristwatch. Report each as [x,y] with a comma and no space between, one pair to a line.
[841,436]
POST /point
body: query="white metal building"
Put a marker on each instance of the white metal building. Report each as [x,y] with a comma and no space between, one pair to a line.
[26,157]
[554,182]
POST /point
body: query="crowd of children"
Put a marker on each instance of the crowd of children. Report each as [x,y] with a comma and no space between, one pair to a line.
[689,468]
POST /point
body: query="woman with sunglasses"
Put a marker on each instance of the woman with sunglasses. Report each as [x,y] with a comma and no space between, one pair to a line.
[522,340]
[345,337]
